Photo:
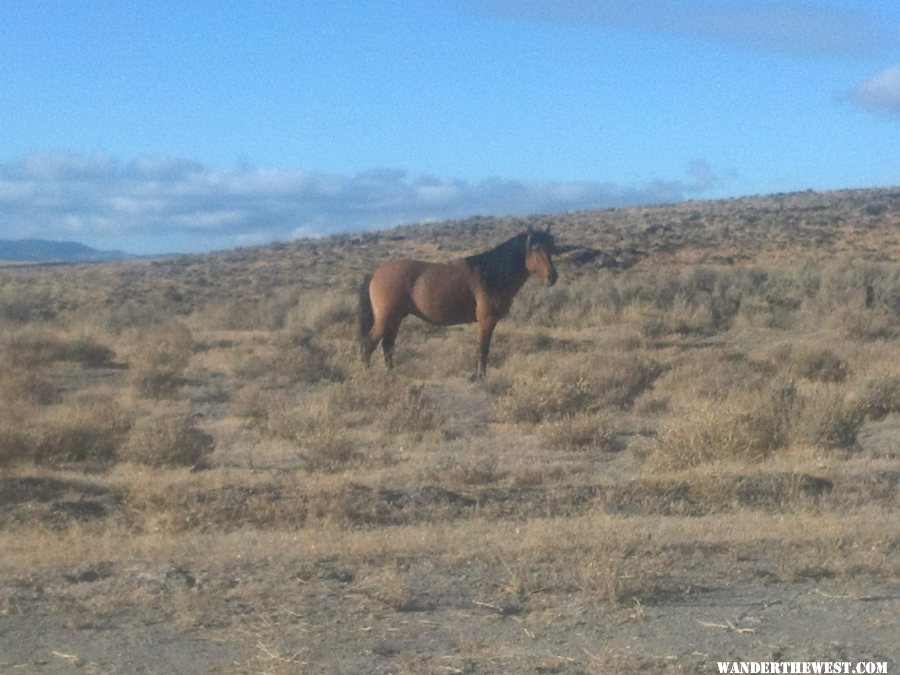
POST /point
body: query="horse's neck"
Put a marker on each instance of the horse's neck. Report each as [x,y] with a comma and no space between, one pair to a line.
[502,299]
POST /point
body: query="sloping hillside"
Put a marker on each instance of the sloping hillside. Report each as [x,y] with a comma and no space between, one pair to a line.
[686,451]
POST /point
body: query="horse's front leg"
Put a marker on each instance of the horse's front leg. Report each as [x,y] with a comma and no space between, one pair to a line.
[486,325]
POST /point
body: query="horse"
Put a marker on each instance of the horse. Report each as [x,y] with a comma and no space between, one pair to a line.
[478,288]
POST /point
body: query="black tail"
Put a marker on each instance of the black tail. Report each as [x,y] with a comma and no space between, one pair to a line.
[365,316]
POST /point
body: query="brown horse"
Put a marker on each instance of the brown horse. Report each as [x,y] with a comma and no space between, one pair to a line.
[477,288]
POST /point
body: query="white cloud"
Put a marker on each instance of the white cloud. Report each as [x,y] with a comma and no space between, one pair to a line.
[162,204]
[881,91]
[787,25]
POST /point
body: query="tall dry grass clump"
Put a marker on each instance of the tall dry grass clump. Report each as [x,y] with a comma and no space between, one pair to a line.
[534,398]
[820,364]
[412,411]
[167,438]
[16,444]
[90,429]
[157,369]
[741,426]
[569,385]
[585,432]
[316,424]
[880,396]
[827,417]
[37,346]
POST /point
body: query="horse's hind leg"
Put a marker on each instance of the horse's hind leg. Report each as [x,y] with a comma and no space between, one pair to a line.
[384,331]
[366,347]
[388,339]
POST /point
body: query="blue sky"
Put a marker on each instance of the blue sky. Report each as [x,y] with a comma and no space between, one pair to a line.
[189,126]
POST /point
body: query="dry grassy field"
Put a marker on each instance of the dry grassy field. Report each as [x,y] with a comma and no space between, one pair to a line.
[686,451]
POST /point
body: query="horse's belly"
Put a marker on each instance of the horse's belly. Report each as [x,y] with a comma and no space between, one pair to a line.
[442,299]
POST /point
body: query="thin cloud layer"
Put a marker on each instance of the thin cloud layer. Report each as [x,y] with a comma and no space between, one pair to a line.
[788,26]
[165,204]
[881,91]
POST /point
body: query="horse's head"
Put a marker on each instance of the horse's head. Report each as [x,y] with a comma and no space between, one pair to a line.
[539,256]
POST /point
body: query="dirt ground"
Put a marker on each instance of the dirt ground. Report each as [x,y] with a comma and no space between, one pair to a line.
[278,602]
[329,629]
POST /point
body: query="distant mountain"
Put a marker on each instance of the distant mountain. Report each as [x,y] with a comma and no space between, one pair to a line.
[42,251]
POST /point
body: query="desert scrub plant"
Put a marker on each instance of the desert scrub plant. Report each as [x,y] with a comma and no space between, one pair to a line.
[31,385]
[820,364]
[247,313]
[92,428]
[618,382]
[329,314]
[21,302]
[715,372]
[682,317]
[253,404]
[326,448]
[167,438]
[158,367]
[313,425]
[593,433]
[34,347]
[17,440]
[866,325]
[743,426]
[300,359]
[468,473]
[880,396]
[412,411]
[535,398]
[292,358]
[15,445]
[569,385]
[828,418]
[697,301]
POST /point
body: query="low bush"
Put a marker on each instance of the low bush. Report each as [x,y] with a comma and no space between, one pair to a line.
[36,347]
[742,426]
[15,444]
[820,365]
[592,433]
[880,396]
[157,369]
[326,448]
[90,430]
[167,438]
[537,398]
[412,412]
[827,418]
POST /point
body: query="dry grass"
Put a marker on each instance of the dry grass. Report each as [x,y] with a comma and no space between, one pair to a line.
[167,438]
[162,357]
[708,398]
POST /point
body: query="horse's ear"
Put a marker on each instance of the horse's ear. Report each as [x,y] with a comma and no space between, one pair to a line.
[528,238]
[549,225]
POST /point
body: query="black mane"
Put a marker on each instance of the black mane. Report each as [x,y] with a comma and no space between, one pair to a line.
[506,261]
